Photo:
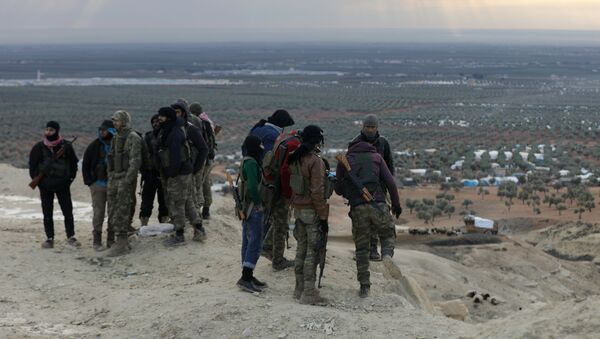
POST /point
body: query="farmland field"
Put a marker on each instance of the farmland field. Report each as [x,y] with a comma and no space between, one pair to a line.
[454,98]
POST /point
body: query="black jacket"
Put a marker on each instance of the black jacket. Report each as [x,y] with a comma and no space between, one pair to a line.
[37,160]
[91,159]
[194,135]
[173,138]
[381,145]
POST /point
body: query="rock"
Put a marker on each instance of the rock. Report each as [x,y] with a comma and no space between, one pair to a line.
[471,294]
[247,332]
[495,301]
[478,298]
[282,335]
[454,309]
[486,296]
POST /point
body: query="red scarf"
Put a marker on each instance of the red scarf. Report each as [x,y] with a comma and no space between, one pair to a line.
[52,144]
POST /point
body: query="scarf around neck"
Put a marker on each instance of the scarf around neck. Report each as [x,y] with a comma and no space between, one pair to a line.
[52,144]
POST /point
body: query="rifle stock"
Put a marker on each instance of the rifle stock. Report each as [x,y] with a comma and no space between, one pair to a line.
[341,157]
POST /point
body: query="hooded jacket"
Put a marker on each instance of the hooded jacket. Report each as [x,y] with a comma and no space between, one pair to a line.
[365,169]
[125,157]
[267,133]
[172,138]
[95,157]
[381,145]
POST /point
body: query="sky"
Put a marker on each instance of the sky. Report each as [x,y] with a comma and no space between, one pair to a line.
[33,21]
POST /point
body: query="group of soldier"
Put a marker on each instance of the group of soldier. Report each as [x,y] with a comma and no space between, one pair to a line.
[281,171]
[174,158]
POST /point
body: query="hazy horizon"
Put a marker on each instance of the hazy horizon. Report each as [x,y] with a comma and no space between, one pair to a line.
[126,21]
[372,36]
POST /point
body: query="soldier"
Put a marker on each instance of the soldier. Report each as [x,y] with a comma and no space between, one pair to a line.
[209,132]
[176,168]
[252,226]
[268,131]
[199,151]
[124,162]
[309,199]
[368,217]
[95,175]
[151,185]
[370,134]
[55,159]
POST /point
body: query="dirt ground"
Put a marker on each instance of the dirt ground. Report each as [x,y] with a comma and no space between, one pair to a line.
[189,291]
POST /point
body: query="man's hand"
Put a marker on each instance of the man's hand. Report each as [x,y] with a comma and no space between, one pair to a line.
[323,226]
[397,210]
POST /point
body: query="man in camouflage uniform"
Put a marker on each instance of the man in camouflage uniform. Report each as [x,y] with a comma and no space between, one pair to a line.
[199,151]
[176,168]
[308,175]
[370,134]
[209,131]
[124,162]
[368,217]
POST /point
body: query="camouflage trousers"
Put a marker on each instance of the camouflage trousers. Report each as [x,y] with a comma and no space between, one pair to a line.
[179,198]
[275,237]
[306,233]
[198,182]
[207,184]
[121,202]
[366,221]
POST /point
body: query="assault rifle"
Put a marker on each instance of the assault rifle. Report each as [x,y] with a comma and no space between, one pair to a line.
[321,251]
[236,197]
[363,190]
[61,152]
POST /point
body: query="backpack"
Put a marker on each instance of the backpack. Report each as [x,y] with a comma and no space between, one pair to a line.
[300,185]
[146,160]
[275,169]
[209,137]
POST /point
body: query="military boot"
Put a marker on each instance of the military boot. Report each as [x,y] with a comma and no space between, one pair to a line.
[299,287]
[364,290]
[110,239]
[144,221]
[311,297]
[374,254]
[164,220]
[49,243]
[175,239]
[199,233]
[282,265]
[120,247]
[97,242]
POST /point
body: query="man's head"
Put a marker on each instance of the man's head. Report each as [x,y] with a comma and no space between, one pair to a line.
[181,107]
[195,109]
[312,134]
[52,130]
[370,126]
[281,118]
[155,122]
[166,114]
[253,146]
[121,120]
[104,129]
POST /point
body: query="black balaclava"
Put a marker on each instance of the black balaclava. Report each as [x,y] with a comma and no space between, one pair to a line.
[252,145]
[311,135]
[56,126]
[281,118]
